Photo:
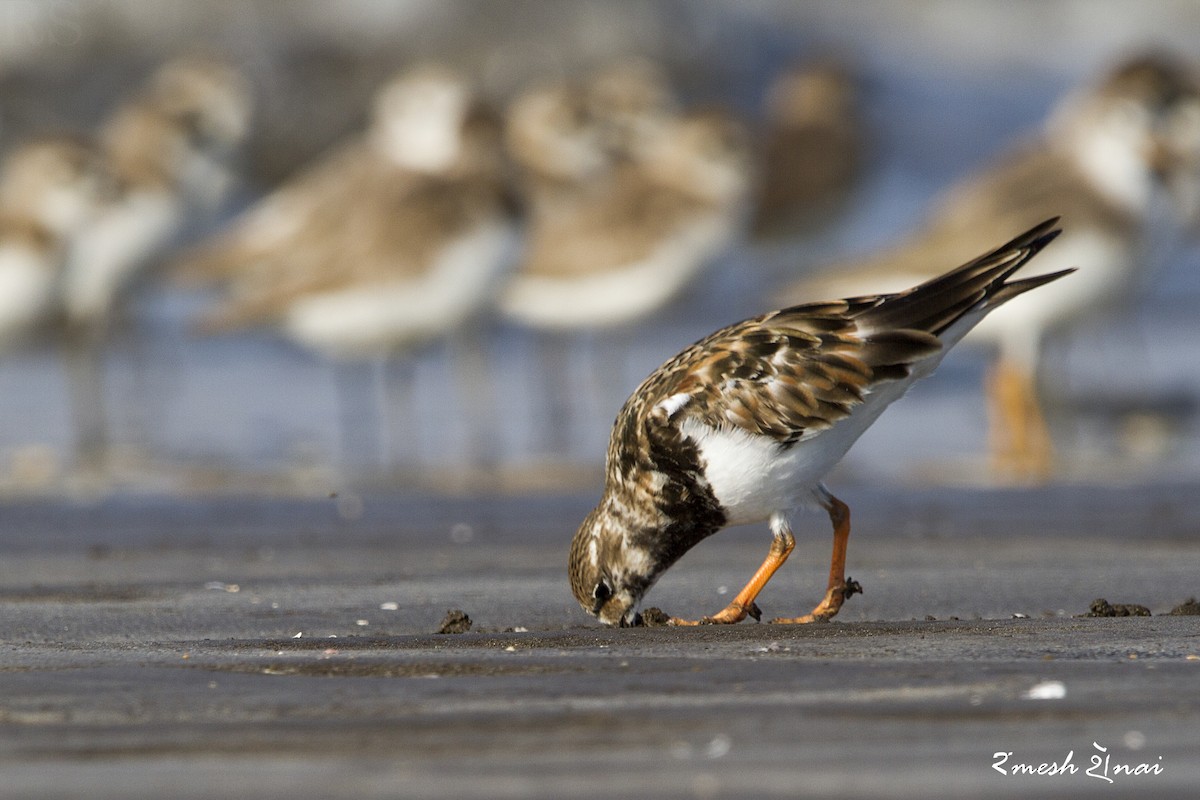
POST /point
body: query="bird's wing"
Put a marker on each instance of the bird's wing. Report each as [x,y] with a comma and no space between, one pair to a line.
[787,374]
[799,370]
[265,236]
[624,225]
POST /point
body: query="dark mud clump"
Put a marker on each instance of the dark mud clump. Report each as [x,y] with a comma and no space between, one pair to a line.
[1102,608]
[456,621]
[655,617]
[1188,608]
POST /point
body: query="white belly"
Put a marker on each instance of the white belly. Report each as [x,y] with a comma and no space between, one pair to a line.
[753,476]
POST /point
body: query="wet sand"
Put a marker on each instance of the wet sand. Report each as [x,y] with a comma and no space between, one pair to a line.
[236,647]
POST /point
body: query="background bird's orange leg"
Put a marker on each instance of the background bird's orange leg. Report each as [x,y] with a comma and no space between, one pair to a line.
[1019,438]
[743,604]
[839,588]
[1037,452]
[1003,418]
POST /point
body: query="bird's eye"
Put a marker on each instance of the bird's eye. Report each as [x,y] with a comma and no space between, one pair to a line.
[601,594]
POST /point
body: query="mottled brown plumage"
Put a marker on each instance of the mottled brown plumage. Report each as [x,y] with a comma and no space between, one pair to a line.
[786,393]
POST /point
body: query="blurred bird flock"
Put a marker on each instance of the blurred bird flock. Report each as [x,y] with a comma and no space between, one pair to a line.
[296,247]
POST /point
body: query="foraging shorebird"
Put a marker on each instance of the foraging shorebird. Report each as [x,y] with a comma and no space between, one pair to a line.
[811,149]
[1109,156]
[742,426]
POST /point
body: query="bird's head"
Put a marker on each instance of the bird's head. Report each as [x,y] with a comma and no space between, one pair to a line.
[705,155]
[208,98]
[419,117]
[609,573]
[550,133]
[1137,133]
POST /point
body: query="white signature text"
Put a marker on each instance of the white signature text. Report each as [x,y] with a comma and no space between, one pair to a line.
[1101,765]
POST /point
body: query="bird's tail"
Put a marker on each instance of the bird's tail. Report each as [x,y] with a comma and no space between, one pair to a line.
[979,285]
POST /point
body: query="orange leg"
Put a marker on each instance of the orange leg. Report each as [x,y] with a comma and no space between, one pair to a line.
[839,588]
[743,604]
[1019,438]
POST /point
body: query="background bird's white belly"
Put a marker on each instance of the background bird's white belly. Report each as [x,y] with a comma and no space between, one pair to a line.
[26,289]
[620,295]
[374,316]
[108,253]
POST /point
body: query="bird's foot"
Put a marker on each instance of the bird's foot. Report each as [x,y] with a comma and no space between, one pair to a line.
[828,607]
[730,615]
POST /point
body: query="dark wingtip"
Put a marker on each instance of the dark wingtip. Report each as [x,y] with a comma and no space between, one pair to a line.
[1033,240]
[1011,289]
[939,302]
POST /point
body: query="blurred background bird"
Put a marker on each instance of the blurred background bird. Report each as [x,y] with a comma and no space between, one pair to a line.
[168,150]
[641,197]
[396,239]
[1111,157]
[51,189]
[812,149]
[670,208]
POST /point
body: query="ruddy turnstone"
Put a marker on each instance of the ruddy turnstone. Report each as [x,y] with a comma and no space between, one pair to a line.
[742,426]
[1108,156]
[811,149]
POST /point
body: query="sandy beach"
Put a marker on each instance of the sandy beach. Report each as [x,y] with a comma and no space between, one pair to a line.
[274,648]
